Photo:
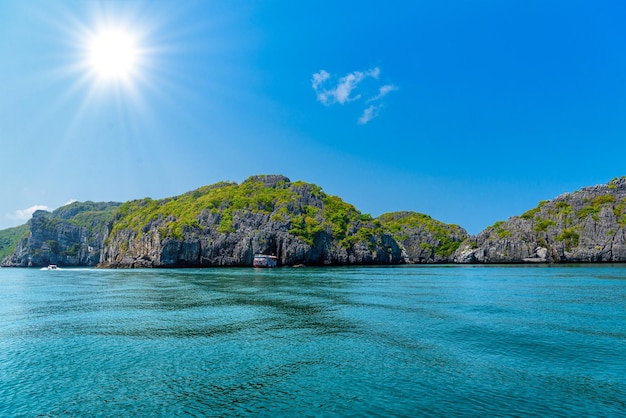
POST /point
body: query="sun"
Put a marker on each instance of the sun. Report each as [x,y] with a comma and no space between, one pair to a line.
[113,54]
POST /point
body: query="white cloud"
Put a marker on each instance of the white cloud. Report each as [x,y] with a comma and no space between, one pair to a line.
[346,85]
[351,88]
[319,78]
[26,214]
[368,114]
[23,215]
[341,93]
[383,91]
[374,72]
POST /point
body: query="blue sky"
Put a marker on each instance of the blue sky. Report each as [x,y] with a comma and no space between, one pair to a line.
[469,111]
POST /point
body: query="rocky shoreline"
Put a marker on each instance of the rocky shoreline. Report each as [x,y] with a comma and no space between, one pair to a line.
[225,224]
[586,226]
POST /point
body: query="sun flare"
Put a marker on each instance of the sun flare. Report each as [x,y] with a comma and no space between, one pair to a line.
[113,54]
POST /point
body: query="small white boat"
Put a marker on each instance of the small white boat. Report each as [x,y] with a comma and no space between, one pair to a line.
[52,267]
[265,261]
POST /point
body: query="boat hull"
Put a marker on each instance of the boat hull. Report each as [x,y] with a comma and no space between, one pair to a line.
[265,261]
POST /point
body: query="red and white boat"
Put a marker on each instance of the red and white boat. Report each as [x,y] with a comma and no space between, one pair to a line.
[265,261]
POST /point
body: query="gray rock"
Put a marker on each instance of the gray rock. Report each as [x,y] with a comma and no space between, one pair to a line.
[584,226]
[70,236]
[302,225]
[268,230]
[424,239]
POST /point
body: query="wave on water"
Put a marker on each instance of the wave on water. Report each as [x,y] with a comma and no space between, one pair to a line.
[64,269]
[398,341]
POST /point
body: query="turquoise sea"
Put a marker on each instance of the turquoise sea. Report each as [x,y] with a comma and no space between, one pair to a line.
[354,341]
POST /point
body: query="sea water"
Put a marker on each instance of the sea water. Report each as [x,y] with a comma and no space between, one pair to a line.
[353,341]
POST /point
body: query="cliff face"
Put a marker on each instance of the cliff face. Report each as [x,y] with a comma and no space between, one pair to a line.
[70,236]
[424,239]
[10,237]
[585,226]
[226,224]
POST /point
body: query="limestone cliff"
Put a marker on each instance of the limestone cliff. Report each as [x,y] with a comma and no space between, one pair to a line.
[226,224]
[424,239]
[588,225]
[10,237]
[72,235]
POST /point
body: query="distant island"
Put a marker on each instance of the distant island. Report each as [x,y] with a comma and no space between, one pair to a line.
[226,224]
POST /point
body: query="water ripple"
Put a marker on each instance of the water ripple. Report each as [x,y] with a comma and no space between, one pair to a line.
[400,341]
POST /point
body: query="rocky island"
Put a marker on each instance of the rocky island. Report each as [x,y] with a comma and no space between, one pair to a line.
[225,224]
[72,235]
[588,225]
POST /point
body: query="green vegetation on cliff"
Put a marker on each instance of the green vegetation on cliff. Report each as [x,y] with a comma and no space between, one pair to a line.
[87,214]
[584,226]
[180,212]
[501,229]
[10,237]
[227,223]
[91,215]
[530,214]
[70,235]
[304,207]
[443,239]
